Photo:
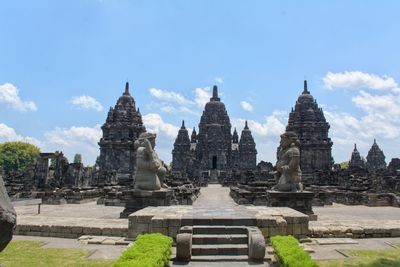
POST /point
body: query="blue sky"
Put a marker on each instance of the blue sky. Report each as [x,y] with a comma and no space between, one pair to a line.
[54,52]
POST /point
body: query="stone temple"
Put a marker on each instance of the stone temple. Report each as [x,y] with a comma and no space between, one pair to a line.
[356,161]
[213,152]
[375,158]
[117,155]
[308,121]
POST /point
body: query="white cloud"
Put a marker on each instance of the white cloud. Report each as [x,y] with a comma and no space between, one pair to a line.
[274,124]
[266,134]
[380,120]
[154,123]
[169,96]
[9,95]
[202,96]
[8,134]
[81,140]
[358,80]
[219,80]
[87,102]
[246,106]
[168,109]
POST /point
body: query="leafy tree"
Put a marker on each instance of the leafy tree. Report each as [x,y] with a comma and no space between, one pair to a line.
[16,156]
[344,165]
[78,158]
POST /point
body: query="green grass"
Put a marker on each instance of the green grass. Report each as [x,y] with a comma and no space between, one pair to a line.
[30,254]
[366,258]
[149,250]
[290,253]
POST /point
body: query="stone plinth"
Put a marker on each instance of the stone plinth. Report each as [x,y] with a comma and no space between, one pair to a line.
[300,201]
[137,199]
[168,220]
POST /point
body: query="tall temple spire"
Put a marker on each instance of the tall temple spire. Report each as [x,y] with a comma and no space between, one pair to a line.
[215,94]
[127,89]
[305,91]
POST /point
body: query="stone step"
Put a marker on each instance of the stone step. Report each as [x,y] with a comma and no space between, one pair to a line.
[243,221]
[220,239]
[218,229]
[224,249]
[216,258]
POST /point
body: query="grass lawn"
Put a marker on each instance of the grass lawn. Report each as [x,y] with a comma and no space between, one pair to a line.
[30,254]
[366,258]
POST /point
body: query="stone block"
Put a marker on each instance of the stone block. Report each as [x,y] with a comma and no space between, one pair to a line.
[184,246]
[256,243]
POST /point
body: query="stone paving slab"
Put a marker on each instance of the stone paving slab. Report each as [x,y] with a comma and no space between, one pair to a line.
[334,251]
[106,252]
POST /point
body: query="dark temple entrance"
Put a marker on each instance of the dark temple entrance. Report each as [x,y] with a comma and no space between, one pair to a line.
[214,162]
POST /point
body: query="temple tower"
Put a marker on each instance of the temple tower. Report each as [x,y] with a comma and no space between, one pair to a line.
[247,150]
[117,155]
[356,161]
[375,158]
[181,151]
[214,140]
[308,121]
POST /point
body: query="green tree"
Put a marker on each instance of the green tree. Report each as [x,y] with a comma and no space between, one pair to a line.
[16,156]
[344,165]
[78,158]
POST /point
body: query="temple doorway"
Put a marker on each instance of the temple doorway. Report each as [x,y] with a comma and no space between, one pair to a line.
[214,162]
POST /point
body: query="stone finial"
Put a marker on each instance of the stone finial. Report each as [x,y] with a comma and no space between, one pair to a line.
[127,89]
[246,126]
[355,147]
[374,141]
[138,110]
[305,91]
[183,124]
[215,94]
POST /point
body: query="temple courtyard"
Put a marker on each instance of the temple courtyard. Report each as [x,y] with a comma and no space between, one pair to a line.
[99,229]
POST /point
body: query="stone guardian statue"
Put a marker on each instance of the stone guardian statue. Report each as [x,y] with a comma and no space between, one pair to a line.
[150,170]
[288,173]
[8,217]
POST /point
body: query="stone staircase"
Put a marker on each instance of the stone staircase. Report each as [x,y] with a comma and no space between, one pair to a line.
[220,243]
[216,242]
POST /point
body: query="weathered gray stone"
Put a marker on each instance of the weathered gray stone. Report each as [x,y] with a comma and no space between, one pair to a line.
[8,217]
[256,242]
[184,246]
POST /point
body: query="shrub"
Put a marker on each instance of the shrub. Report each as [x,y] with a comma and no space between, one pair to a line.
[149,250]
[290,253]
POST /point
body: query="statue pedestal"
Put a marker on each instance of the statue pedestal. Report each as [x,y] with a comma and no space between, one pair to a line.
[300,201]
[137,199]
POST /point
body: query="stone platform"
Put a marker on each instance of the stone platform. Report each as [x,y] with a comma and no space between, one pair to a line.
[138,199]
[300,201]
[168,220]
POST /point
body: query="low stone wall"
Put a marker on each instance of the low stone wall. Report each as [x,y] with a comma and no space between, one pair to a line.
[356,198]
[70,227]
[355,229]
[248,194]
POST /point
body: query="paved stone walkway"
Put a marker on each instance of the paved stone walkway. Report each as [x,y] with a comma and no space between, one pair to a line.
[214,196]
